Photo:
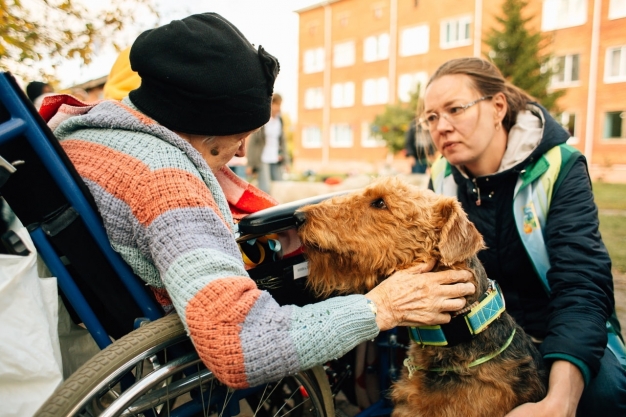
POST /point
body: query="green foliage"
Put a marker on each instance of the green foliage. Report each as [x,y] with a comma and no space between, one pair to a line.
[36,36]
[519,54]
[391,126]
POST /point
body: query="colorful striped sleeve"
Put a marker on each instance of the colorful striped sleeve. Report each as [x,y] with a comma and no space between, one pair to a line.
[162,217]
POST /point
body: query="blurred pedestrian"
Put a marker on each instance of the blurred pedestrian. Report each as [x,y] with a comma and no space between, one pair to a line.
[267,149]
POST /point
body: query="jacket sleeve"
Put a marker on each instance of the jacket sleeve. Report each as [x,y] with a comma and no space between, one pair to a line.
[580,276]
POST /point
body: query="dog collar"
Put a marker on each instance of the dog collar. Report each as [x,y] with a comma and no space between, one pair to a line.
[463,327]
[412,368]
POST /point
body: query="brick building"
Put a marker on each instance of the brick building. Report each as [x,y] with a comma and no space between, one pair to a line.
[356,56]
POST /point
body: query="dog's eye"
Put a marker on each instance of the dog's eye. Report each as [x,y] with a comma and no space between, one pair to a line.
[379,204]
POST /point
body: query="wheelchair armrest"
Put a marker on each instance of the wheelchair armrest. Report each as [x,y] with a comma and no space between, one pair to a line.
[280,217]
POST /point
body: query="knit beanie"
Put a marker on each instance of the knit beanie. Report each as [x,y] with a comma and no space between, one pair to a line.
[200,75]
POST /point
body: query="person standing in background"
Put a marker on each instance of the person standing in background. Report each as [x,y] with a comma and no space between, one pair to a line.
[419,147]
[267,150]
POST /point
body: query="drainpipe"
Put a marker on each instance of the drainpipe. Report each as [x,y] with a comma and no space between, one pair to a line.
[328,21]
[593,80]
[478,27]
[393,48]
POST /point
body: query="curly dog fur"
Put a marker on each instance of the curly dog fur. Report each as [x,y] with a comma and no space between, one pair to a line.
[354,241]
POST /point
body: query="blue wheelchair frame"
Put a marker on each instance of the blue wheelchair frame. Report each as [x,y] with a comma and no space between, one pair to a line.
[23,124]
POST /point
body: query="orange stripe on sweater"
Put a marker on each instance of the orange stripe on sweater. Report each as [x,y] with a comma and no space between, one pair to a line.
[148,193]
[214,318]
[140,116]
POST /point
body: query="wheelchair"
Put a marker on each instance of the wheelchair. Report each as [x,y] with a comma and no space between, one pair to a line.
[151,368]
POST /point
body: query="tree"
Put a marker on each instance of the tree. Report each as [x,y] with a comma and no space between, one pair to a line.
[37,35]
[392,125]
[520,54]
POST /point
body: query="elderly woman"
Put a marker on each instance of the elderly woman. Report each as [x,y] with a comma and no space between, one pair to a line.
[156,165]
[529,195]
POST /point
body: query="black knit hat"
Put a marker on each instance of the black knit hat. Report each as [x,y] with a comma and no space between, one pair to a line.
[201,76]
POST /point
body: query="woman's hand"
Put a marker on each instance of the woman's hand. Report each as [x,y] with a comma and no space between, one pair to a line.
[414,297]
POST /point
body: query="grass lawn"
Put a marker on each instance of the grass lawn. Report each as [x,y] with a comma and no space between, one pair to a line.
[613,224]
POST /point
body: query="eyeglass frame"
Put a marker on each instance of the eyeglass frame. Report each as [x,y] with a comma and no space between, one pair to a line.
[426,124]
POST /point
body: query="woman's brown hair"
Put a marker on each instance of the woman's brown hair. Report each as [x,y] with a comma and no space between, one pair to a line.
[488,80]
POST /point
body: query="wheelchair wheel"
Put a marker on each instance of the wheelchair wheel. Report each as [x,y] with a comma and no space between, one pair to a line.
[154,371]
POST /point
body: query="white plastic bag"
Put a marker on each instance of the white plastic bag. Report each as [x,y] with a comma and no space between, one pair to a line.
[30,357]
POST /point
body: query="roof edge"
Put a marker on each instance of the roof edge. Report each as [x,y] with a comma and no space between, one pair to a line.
[315,5]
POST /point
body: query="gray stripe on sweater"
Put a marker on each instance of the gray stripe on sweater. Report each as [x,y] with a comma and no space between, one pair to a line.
[268,350]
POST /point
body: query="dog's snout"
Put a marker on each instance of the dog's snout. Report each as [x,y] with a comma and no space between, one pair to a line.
[300,217]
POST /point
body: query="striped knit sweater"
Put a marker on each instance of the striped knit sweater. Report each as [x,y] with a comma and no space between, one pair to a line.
[167,215]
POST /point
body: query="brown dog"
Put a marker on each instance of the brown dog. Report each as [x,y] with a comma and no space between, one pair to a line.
[354,241]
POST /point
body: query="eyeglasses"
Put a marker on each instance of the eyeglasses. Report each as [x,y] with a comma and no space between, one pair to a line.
[451,114]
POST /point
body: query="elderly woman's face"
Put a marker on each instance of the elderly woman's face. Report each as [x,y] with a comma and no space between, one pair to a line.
[218,150]
[463,134]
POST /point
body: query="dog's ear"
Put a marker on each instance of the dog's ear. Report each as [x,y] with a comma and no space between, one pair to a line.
[459,239]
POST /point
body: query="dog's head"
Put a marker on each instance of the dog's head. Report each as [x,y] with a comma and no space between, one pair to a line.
[354,241]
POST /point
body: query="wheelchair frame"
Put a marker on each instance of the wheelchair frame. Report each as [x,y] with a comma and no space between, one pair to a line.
[148,371]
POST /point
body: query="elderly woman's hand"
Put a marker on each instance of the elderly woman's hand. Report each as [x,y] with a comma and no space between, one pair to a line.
[413,297]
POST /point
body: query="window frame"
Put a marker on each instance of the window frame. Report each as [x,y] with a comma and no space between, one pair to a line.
[560,19]
[316,62]
[608,64]
[352,50]
[403,41]
[305,141]
[333,135]
[368,140]
[380,83]
[346,92]
[380,53]
[605,127]
[318,98]
[456,43]
[617,10]
[567,71]
[420,77]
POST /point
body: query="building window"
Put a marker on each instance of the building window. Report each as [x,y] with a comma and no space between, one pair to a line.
[617,9]
[313,60]
[414,40]
[368,140]
[559,14]
[311,137]
[376,48]
[456,32]
[409,83]
[375,91]
[566,70]
[615,70]
[615,125]
[341,135]
[313,98]
[342,95]
[343,54]
[568,121]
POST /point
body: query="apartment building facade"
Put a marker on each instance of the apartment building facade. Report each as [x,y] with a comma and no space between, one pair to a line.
[356,56]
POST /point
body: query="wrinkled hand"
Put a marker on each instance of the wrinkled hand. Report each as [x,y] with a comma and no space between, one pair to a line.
[414,297]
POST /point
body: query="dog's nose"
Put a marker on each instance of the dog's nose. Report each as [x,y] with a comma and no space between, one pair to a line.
[300,218]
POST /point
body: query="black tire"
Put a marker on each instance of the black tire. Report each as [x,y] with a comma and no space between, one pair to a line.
[162,375]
